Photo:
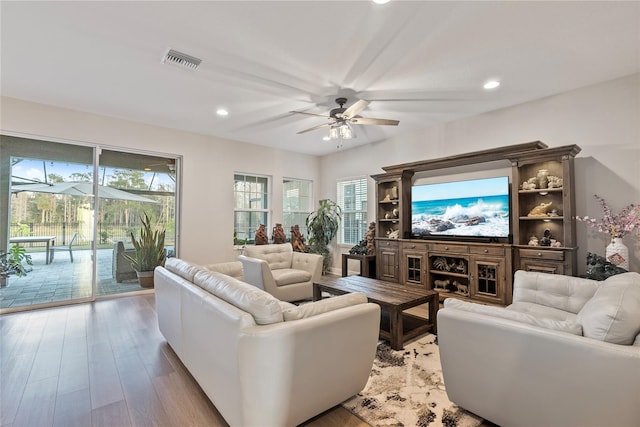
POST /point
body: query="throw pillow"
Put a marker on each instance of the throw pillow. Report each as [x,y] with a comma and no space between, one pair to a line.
[612,314]
[324,306]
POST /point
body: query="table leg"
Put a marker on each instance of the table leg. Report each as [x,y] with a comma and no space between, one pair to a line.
[344,265]
[364,267]
[434,305]
[396,328]
[317,293]
[47,254]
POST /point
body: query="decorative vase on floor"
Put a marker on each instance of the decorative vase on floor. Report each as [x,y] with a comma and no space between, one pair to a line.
[618,253]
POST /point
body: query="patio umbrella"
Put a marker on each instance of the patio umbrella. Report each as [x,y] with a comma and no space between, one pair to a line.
[81,189]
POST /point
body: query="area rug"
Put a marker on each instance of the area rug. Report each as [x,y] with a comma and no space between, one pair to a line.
[405,388]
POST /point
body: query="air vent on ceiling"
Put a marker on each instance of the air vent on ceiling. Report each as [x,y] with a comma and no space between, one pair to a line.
[181,59]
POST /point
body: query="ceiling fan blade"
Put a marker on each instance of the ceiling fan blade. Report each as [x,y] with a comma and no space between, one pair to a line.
[309,114]
[314,128]
[369,121]
[355,108]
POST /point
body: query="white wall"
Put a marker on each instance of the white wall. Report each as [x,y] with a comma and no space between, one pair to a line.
[208,167]
[603,119]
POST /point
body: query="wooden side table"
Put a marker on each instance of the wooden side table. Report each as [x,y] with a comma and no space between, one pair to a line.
[367,264]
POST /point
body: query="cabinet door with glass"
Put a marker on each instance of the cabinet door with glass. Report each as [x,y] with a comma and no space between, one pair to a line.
[487,279]
[414,264]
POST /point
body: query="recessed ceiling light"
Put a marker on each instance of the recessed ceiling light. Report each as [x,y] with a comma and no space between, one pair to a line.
[326,138]
[222,112]
[491,84]
[381,1]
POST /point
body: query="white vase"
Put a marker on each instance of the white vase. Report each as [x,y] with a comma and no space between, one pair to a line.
[618,253]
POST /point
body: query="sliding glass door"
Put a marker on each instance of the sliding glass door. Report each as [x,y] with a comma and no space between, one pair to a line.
[71,211]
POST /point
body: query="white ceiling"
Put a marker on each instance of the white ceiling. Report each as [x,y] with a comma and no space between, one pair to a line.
[417,62]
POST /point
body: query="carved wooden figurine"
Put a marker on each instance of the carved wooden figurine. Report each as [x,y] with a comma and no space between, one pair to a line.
[370,238]
[297,239]
[540,210]
[278,234]
[261,235]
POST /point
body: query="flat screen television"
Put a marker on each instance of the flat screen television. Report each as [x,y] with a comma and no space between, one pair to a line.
[467,210]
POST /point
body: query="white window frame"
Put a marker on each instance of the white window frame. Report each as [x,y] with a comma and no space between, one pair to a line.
[352,210]
[248,235]
[301,211]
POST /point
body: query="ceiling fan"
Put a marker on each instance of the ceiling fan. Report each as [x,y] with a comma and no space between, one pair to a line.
[341,119]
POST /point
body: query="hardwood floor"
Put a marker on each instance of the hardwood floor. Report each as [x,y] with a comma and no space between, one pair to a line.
[104,364]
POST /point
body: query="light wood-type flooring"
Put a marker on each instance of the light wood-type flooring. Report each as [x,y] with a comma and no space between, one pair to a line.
[103,364]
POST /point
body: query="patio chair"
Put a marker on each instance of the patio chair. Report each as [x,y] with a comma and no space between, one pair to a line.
[64,248]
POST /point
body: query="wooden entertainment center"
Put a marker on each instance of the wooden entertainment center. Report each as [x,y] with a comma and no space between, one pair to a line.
[542,205]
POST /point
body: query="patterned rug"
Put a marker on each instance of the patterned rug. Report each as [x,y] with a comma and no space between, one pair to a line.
[406,389]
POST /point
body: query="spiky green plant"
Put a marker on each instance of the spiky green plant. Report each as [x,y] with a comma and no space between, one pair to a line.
[322,226]
[149,248]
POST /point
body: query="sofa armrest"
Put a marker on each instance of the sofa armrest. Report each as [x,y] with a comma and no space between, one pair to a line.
[512,373]
[308,262]
[257,273]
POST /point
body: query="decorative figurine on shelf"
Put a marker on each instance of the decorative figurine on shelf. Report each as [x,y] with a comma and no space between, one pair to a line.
[543,178]
[393,234]
[440,284]
[533,241]
[395,213]
[278,234]
[297,239]
[261,236]
[540,210]
[546,238]
[554,181]
[529,184]
[461,289]
[440,263]
[554,212]
[370,237]
[555,243]
[598,268]
[394,193]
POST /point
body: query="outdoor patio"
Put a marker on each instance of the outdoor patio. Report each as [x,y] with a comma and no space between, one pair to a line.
[62,280]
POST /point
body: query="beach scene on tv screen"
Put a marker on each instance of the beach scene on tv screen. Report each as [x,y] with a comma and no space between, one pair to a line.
[475,208]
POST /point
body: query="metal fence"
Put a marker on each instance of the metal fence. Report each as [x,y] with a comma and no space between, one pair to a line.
[63,231]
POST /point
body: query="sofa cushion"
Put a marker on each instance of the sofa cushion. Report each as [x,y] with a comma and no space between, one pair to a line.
[277,256]
[553,290]
[288,276]
[612,314]
[542,311]
[569,326]
[264,307]
[324,306]
[182,268]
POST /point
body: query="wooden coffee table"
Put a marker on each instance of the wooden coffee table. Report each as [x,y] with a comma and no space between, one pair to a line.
[393,298]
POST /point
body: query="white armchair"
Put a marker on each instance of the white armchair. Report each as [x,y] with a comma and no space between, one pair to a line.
[277,269]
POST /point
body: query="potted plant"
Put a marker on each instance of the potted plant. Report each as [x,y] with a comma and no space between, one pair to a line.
[322,226]
[149,252]
[12,262]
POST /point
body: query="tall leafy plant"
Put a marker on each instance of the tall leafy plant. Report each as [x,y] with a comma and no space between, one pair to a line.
[322,227]
[149,248]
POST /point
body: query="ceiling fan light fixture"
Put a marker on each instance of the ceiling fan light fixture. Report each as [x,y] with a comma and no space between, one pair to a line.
[334,132]
[346,131]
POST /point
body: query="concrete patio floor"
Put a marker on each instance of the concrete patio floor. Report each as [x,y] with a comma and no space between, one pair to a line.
[62,280]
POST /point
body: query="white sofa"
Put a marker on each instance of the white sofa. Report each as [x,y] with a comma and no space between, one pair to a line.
[264,362]
[565,353]
[277,269]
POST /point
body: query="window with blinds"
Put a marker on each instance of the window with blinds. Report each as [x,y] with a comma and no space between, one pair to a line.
[251,195]
[352,197]
[297,200]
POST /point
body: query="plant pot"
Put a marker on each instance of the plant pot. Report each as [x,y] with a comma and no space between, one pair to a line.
[145,278]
